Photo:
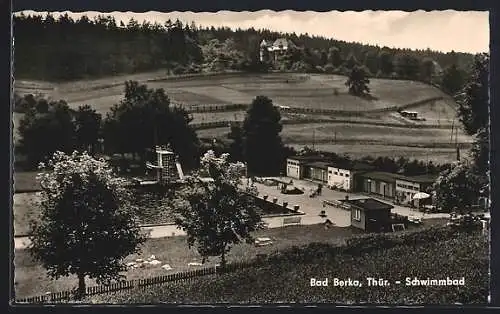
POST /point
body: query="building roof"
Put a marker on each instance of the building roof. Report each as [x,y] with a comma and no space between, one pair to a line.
[318,164]
[353,166]
[424,178]
[309,158]
[383,176]
[265,43]
[369,204]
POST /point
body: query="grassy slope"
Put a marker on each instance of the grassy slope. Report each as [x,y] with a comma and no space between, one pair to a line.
[315,91]
[288,280]
[31,280]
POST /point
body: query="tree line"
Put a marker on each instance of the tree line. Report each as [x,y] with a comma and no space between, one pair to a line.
[68,49]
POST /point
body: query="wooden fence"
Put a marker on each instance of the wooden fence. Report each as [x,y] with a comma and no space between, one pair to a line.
[227,123]
[200,108]
[138,283]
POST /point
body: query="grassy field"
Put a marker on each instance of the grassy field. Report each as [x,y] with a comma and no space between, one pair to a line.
[287,278]
[298,90]
[31,280]
[30,277]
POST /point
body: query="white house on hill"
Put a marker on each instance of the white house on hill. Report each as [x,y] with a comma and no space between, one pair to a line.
[274,49]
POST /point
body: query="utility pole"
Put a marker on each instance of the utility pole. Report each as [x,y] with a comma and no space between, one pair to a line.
[452,126]
[314,139]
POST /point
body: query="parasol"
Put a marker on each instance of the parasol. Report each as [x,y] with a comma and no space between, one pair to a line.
[420,196]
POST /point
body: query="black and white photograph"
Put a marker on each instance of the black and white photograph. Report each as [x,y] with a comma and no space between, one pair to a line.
[263,157]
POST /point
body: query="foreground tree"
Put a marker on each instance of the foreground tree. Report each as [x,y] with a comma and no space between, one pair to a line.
[216,214]
[262,145]
[358,82]
[457,187]
[473,111]
[453,80]
[236,146]
[86,226]
[143,119]
[44,131]
[87,128]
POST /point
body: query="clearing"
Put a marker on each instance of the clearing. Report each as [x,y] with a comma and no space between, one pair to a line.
[31,279]
[287,278]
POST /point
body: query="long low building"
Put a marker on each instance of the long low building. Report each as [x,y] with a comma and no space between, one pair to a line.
[400,188]
[359,177]
[342,175]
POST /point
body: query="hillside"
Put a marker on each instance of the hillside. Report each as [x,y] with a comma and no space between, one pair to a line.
[64,52]
[286,278]
[375,122]
[294,90]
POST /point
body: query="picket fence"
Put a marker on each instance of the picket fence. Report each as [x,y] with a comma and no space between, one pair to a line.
[138,283]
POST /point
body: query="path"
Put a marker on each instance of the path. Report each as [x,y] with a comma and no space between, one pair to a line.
[311,208]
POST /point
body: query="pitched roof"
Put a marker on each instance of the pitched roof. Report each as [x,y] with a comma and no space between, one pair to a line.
[308,158]
[383,176]
[369,204]
[424,178]
[281,42]
[265,43]
[318,164]
[353,166]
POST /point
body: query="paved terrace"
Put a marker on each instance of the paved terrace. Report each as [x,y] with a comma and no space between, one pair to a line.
[311,208]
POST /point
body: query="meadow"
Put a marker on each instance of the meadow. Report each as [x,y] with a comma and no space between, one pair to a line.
[295,90]
[31,279]
[286,277]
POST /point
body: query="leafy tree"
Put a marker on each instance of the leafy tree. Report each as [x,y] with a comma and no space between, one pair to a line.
[453,80]
[216,214]
[351,62]
[86,226]
[42,134]
[334,57]
[262,144]
[358,82]
[236,146]
[148,113]
[456,188]
[386,62]
[407,66]
[473,111]
[371,61]
[88,127]
[426,70]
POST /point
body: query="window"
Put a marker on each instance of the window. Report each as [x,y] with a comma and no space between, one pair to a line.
[336,173]
[329,171]
[347,175]
[357,215]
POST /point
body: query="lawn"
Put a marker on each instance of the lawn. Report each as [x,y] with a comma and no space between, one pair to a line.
[25,181]
[287,278]
[299,90]
[30,277]
[374,134]
[347,133]
[151,210]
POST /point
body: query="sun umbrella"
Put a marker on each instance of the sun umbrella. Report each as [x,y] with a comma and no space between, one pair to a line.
[420,195]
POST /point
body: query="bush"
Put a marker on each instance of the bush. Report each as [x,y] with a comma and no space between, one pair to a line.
[285,278]
[179,69]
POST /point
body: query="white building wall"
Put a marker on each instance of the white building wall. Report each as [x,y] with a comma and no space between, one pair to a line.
[406,190]
[293,169]
[340,178]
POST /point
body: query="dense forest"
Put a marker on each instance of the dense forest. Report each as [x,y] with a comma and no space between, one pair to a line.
[57,49]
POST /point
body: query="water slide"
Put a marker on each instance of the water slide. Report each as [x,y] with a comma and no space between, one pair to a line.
[179,170]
